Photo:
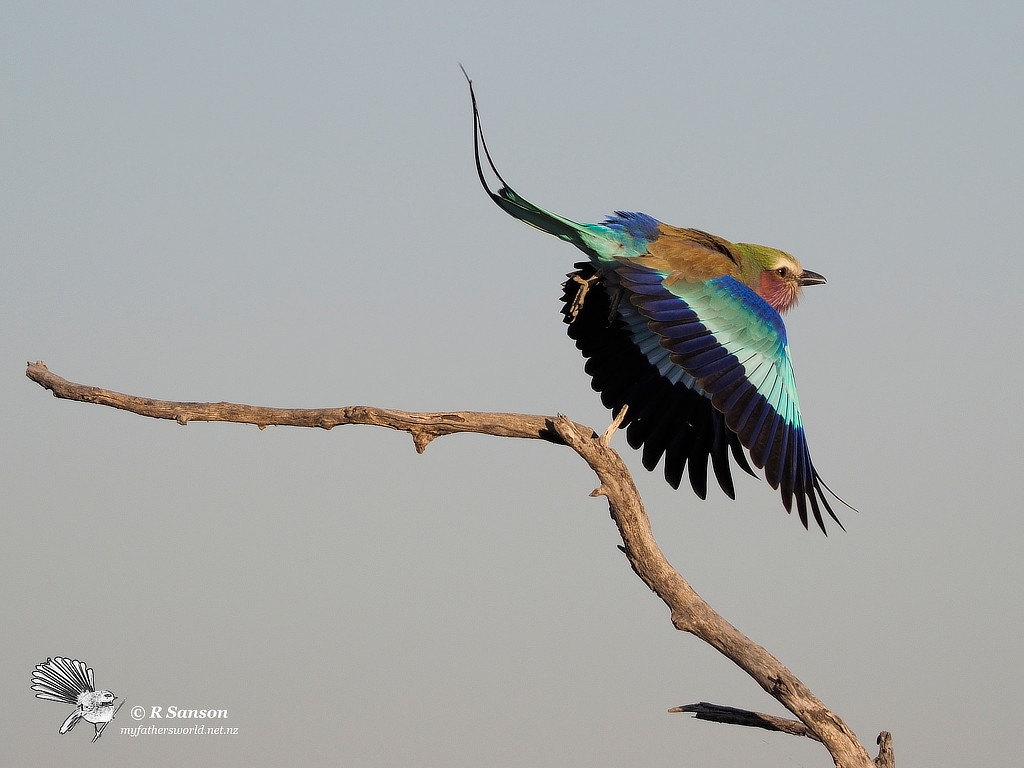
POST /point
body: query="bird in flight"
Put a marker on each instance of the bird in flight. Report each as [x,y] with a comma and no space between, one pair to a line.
[70,681]
[684,330]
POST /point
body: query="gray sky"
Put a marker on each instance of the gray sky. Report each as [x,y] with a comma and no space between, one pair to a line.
[277,205]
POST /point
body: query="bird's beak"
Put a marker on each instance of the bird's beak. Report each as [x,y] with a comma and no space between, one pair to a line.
[811,278]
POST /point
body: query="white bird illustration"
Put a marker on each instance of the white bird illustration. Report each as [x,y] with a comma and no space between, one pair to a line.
[70,681]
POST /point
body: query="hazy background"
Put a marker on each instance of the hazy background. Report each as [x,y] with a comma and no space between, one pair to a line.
[276,205]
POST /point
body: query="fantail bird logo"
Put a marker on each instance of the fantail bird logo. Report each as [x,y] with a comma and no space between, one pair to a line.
[70,681]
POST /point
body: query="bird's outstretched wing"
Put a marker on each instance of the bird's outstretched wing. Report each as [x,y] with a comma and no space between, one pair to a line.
[723,340]
[62,679]
[667,415]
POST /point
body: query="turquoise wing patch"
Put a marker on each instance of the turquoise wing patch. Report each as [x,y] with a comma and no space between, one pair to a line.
[733,344]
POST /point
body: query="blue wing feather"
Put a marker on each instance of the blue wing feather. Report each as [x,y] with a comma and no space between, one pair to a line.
[639,226]
[668,415]
[734,346]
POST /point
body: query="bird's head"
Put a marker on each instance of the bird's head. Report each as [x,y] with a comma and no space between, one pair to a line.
[95,705]
[781,278]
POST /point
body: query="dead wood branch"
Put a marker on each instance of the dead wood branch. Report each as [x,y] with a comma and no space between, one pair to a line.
[716,713]
[689,612]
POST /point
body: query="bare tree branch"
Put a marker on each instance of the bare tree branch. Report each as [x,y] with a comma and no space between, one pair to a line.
[689,612]
[886,758]
[716,713]
[423,427]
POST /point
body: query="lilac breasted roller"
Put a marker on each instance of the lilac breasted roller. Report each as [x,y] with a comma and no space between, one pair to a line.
[685,329]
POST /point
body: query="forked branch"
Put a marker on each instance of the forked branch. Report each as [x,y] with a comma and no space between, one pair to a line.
[689,612]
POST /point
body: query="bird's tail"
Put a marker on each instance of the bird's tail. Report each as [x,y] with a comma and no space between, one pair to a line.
[580,235]
[61,679]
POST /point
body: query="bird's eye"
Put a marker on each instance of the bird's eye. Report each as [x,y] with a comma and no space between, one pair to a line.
[782,271]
